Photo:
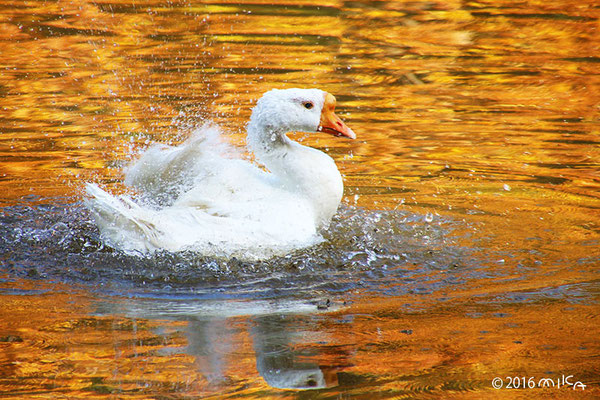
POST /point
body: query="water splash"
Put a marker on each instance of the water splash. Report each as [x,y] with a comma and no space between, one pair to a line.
[376,251]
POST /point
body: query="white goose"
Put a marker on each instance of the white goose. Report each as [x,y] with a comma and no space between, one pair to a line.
[193,197]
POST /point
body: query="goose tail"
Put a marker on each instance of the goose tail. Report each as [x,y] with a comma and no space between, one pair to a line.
[122,222]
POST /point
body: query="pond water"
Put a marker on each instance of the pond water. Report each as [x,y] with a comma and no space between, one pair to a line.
[466,248]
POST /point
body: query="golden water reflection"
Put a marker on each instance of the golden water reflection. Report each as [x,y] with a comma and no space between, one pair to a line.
[78,350]
[482,112]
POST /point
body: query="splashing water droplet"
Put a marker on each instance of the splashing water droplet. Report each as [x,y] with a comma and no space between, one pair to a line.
[429,217]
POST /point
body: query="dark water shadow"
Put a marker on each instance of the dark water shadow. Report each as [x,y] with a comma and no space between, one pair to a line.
[381,252]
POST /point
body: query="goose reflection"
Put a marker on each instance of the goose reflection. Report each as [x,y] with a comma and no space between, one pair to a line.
[208,341]
[281,360]
[287,352]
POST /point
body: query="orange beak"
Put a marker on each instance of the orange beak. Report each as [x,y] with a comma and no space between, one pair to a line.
[331,123]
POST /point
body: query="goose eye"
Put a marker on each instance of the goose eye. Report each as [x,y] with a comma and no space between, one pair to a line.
[308,105]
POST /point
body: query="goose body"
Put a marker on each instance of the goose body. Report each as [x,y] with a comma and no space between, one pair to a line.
[192,197]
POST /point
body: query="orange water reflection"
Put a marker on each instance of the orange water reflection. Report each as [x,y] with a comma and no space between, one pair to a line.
[482,112]
[367,348]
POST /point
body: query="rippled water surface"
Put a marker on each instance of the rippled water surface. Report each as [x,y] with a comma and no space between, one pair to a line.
[466,247]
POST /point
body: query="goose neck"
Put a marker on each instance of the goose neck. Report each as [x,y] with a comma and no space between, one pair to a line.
[266,140]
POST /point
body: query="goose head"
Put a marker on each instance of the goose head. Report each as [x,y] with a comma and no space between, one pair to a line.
[280,111]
